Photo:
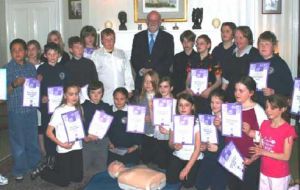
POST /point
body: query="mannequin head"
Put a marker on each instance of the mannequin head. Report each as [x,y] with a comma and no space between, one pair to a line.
[115,168]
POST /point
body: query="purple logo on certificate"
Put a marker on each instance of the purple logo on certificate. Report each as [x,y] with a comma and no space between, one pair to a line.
[162,102]
[138,110]
[72,116]
[33,83]
[103,117]
[57,91]
[208,119]
[200,73]
[297,84]
[184,120]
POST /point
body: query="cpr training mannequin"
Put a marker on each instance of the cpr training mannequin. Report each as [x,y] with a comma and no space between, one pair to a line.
[137,177]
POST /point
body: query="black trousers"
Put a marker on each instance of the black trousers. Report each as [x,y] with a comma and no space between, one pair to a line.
[162,154]
[148,149]
[174,169]
[68,168]
[130,158]
[251,178]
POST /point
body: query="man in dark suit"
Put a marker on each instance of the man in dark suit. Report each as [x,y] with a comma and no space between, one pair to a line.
[152,49]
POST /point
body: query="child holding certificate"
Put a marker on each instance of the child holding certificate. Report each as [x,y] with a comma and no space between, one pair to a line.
[82,70]
[211,174]
[94,149]
[149,90]
[88,35]
[123,146]
[22,121]
[52,74]
[275,146]
[161,132]
[279,79]
[68,165]
[206,61]
[252,117]
[184,162]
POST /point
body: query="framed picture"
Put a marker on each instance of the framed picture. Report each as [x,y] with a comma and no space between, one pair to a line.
[170,10]
[271,6]
[75,11]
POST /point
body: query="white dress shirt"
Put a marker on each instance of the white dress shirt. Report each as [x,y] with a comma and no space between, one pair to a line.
[114,70]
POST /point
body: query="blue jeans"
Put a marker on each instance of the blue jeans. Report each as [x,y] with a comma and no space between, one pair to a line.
[23,137]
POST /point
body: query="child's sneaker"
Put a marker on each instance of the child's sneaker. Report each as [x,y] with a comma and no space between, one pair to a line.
[3,180]
[19,178]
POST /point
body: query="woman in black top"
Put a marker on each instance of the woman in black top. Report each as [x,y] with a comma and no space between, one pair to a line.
[238,65]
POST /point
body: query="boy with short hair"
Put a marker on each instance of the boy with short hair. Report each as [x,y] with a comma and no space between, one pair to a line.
[109,59]
[22,121]
[94,149]
[82,70]
[280,80]
[52,73]
[183,61]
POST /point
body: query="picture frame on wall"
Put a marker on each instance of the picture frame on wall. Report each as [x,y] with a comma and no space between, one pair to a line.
[75,9]
[271,6]
[170,10]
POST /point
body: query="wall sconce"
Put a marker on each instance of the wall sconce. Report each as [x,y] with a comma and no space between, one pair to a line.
[108,24]
[216,22]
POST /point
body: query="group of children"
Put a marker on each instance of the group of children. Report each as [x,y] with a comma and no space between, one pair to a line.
[192,165]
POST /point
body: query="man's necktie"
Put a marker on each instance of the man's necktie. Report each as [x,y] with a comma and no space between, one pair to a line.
[151,43]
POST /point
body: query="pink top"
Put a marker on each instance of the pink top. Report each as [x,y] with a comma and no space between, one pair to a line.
[273,141]
[245,142]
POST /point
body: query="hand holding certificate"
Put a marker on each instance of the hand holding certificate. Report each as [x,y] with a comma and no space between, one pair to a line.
[73,126]
[3,85]
[100,124]
[231,159]
[55,95]
[208,132]
[259,72]
[184,129]
[295,108]
[136,119]
[232,120]
[31,93]
[162,111]
[199,80]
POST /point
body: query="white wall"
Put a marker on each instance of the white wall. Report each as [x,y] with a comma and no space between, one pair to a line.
[3,41]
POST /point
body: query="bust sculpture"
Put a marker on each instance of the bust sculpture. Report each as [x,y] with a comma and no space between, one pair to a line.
[122,16]
[197,17]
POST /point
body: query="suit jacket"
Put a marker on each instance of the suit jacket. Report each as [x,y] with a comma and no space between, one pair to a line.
[160,59]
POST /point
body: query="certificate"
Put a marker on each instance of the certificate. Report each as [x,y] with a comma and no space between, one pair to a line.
[83,95]
[208,132]
[231,159]
[55,95]
[184,129]
[295,108]
[259,72]
[136,119]
[232,120]
[31,92]
[199,80]
[162,111]
[100,124]
[73,125]
[3,85]
[119,151]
